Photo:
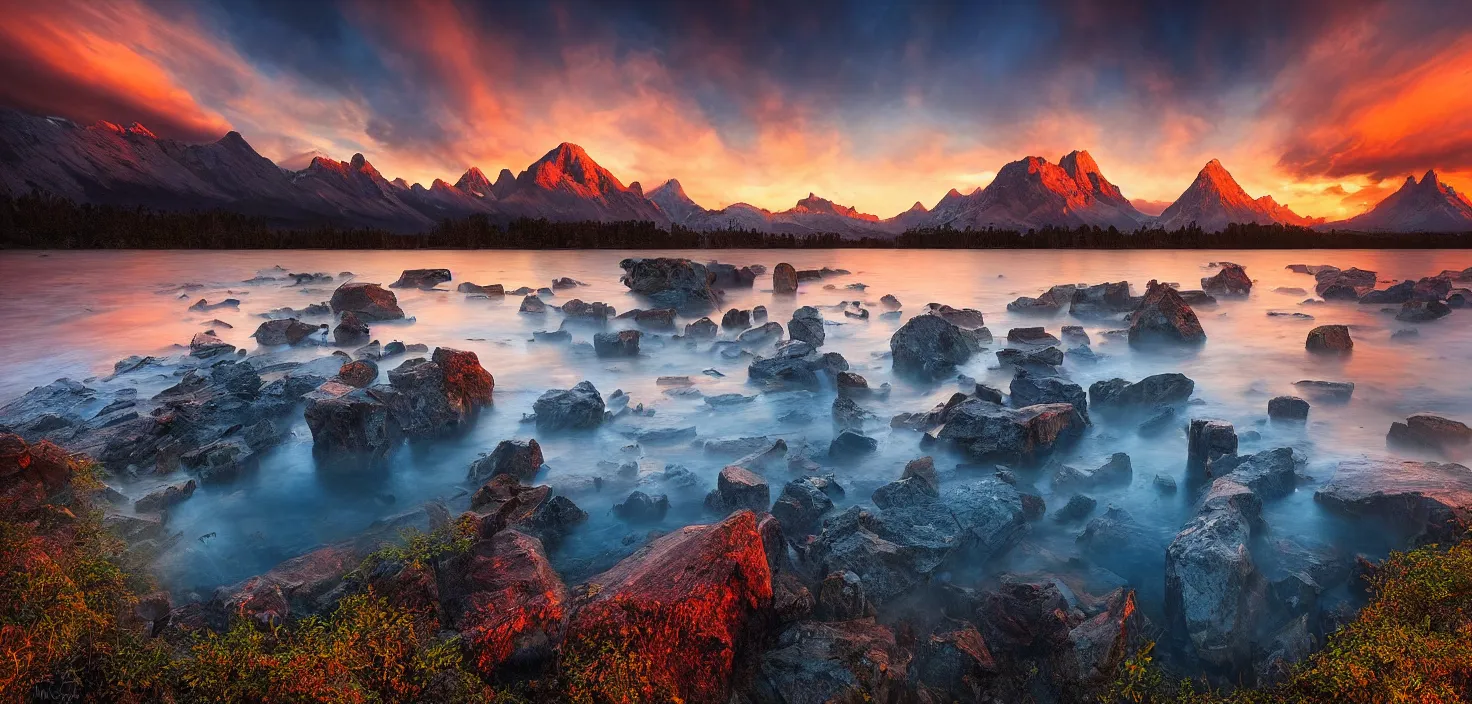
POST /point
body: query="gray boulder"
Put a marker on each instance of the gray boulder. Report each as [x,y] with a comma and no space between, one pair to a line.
[421,278]
[1213,590]
[1426,501]
[578,408]
[1153,390]
[738,488]
[518,458]
[624,343]
[671,283]
[807,325]
[1031,390]
[929,347]
[986,430]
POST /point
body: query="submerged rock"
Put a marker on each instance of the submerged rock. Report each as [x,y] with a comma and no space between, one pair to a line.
[1337,391]
[1423,311]
[1429,432]
[421,278]
[1426,501]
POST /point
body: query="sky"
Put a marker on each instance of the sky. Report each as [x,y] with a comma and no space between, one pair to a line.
[1327,105]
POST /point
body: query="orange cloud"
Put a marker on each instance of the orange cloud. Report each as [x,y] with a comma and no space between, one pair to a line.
[80,59]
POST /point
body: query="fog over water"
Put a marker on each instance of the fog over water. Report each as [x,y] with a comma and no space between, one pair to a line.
[73,314]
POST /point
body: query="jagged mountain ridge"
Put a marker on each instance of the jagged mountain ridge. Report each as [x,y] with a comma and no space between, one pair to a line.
[108,163]
[1427,206]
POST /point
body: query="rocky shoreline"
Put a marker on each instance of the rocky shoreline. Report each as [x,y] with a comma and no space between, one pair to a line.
[780,596]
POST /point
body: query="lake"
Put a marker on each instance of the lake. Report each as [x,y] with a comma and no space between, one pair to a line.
[73,314]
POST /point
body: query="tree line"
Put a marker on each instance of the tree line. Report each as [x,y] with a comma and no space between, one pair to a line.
[40,221]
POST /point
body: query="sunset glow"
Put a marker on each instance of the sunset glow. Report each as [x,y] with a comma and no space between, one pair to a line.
[1325,106]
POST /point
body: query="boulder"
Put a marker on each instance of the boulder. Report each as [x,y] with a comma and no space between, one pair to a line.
[1334,391]
[986,430]
[908,491]
[505,600]
[964,318]
[288,331]
[358,374]
[1116,471]
[1052,301]
[807,325]
[1164,317]
[369,302]
[165,497]
[922,468]
[431,397]
[640,507]
[350,330]
[850,444]
[1031,390]
[736,319]
[1331,339]
[1270,474]
[849,415]
[519,458]
[1078,508]
[731,276]
[852,385]
[1423,311]
[784,278]
[1432,288]
[841,598]
[1287,408]
[763,334]
[1231,280]
[206,345]
[484,290]
[565,283]
[1344,285]
[344,420]
[1101,300]
[1031,336]
[738,488]
[889,301]
[1399,293]
[532,304]
[929,347]
[845,661]
[578,408]
[1425,501]
[1075,335]
[624,343]
[703,329]
[673,620]
[1207,440]
[1425,431]
[671,282]
[595,313]
[801,506]
[1157,389]
[1213,591]
[421,278]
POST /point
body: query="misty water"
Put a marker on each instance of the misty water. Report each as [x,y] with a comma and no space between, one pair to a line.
[74,314]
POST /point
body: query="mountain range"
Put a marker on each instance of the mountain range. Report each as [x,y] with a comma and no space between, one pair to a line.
[111,164]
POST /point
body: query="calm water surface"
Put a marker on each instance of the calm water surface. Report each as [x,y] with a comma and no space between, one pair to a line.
[73,314]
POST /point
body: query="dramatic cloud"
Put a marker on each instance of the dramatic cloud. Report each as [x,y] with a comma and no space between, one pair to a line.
[873,104]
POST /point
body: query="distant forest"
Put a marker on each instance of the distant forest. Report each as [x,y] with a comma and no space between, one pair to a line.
[45,222]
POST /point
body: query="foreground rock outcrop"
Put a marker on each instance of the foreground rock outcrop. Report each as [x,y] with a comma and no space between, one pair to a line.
[671,621]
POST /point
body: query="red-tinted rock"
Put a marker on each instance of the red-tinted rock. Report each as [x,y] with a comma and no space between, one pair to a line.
[288,331]
[784,278]
[1232,280]
[368,301]
[848,661]
[1329,338]
[1164,317]
[42,464]
[467,383]
[669,621]
[359,374]
[506,600]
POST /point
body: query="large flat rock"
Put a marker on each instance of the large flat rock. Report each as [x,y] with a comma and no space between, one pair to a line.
[1430,501]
